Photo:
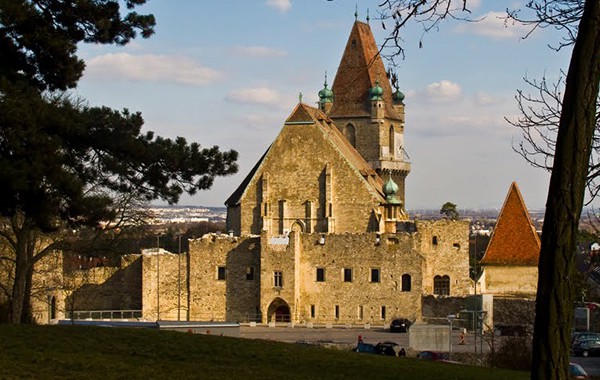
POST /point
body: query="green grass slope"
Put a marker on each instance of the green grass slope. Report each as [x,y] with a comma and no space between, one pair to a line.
[78,352]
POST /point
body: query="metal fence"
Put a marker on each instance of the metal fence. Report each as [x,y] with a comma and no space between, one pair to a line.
[104,314]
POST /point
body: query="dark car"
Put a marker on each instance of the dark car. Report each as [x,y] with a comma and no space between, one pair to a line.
[389,348]
[433,355]
[587,348]
[400,325]
[581,336]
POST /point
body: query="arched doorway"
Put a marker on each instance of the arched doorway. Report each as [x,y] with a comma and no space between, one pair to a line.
[279,311]
[298,226]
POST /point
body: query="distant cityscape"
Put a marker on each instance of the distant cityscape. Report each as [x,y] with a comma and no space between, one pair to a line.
[483,218]
[187,214]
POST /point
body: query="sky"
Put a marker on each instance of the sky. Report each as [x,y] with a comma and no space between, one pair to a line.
[228,73]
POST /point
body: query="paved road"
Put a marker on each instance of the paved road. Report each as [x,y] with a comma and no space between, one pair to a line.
[349,337]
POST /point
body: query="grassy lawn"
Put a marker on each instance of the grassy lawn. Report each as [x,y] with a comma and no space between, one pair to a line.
[79,352]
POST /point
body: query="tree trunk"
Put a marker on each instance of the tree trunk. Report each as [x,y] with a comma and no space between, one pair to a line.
[555,297]
[20,308]
[27,312]
[20,283]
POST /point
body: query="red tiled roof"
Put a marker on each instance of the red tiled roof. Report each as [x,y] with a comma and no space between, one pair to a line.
[514,241]
[361,66]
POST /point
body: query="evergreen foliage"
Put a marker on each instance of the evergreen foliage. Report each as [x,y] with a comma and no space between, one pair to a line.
[64,164]
[449,211]
[38,38]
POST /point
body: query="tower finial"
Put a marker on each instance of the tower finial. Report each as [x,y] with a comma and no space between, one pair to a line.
[356,12]
[300,97]
[325,78]
[368,18]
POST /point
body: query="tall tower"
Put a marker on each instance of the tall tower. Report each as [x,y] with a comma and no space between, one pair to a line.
[366,110]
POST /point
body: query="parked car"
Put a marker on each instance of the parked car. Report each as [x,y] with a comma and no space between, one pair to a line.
[365,347]
[381,348]
[577,372]
[389,348]
[587,348]
[581,336]
[400,325]
[433,355]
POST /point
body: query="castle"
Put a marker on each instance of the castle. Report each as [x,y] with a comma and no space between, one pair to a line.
[320,232]
[319,228]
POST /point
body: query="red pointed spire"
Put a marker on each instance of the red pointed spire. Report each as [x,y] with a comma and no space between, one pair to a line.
[514,241]
[359,69]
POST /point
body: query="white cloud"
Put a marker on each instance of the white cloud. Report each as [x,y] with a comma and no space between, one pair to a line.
[484,99]
[495,25]
[258,51]
[280,5]
[257,95]
[443,91]
[150,68]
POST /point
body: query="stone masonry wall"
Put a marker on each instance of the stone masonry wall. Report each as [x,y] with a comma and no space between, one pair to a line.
[236,298]
[249,292]
[362,300]
[445,245]
[164,294]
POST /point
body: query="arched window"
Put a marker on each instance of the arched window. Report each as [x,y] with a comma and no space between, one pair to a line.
[392,142]
[350,134]
[406,283]
[441,285]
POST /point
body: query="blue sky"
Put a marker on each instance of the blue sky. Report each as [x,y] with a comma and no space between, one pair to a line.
[228,73]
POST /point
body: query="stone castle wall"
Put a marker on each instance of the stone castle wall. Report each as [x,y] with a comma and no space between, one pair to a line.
[163,285]
[445,244]
[236,297]
[59,291]
[168,286]
[362,300]
[298,256]
[103,288]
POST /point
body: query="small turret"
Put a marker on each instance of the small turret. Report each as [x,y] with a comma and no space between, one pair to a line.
[390,189]
[325,98]
[398,100]
[398,97]
[376,92]
[377,104]
[394,210]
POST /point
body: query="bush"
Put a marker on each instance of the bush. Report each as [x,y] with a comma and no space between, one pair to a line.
[513,353]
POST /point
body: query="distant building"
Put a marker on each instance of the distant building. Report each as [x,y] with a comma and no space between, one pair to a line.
[511,260]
